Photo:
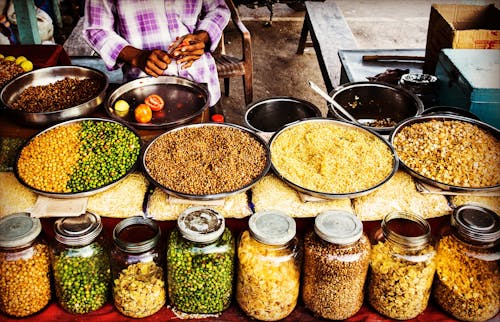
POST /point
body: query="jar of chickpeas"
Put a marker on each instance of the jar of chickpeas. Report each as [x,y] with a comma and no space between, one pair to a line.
[467,283]
[402,267]
[80,263]
[336,259]
[269,262]
[137,266]
[24,266]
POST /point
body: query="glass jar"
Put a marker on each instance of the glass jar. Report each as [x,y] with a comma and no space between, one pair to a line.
[467,283]
[137,266]
[336,259]
[24,266]
[200,265]
[269,262]
[402,267]
[80,263]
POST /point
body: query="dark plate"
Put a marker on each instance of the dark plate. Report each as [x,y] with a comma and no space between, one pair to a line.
[425,118]
[184,101]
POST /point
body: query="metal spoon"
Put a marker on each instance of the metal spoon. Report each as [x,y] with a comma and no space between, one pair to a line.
[332,101]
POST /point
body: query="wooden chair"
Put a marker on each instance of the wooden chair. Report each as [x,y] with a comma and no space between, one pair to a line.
[229,66]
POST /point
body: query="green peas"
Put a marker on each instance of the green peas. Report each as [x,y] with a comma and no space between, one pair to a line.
[82,282]
[200,276]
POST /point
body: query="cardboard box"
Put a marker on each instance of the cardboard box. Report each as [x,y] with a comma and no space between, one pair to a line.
[460,26]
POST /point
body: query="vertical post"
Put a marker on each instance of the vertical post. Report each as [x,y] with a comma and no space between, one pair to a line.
[57,14]
[27,22]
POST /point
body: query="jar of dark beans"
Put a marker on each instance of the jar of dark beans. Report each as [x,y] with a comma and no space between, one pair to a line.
[467,283]
[402,267]
[80,263]
[336,259]
[137,267]
[24,266]
[200,265]
[269,263]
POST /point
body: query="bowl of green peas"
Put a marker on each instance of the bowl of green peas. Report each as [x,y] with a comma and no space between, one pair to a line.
[78,158]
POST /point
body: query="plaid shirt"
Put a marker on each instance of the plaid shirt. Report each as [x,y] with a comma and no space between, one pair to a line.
[110,25]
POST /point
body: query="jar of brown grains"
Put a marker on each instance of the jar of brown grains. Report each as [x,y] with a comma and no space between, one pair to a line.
[467,283]
[137,267]
[402,267]
[336,259]
[24,266]
[269,261]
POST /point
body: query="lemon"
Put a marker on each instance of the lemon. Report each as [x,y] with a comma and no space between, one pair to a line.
[27,65]
[1,56]
[121,106]
[11,58]
[20,59]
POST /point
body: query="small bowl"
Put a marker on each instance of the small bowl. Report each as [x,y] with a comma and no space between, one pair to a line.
[269,115]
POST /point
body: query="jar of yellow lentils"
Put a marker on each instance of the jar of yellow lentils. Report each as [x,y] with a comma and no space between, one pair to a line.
[269,263]
[336,259]
[80,263]
[467,283]
[402,267]
[24,266]
[137,267]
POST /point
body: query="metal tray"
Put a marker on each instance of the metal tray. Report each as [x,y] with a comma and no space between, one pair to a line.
[208,196]
[425,118]
[184,101]
[82,194]
[327,195]
[46,76]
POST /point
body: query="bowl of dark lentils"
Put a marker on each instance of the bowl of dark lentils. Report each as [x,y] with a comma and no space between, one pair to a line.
[52,95]
[78,158]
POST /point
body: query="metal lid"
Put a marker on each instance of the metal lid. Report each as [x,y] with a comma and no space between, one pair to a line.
[406,229]
[475,223]
[338,227]
[272,227]
[201,224]
[18,229]
[142,241]
[78,231]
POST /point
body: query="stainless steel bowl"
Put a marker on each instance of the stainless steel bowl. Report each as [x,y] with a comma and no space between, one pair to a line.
[426,118]
[216,195]
[367,101]
[46,76]
[82,194]
[327,195]
[184,101]
[449,110]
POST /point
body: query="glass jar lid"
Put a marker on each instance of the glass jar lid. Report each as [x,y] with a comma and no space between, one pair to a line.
[406,229]
[136,234]
[201,224]
[476,224]
[78,231]
[18,229]
[272,227]
[338,227]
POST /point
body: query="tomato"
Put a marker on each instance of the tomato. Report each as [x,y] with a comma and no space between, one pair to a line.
[155,102]
[143,113]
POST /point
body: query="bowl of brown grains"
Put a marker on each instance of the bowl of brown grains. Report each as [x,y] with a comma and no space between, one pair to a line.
[206,161]
[51,95]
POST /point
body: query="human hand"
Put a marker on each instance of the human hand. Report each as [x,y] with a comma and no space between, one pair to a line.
[191,48]
[152,62]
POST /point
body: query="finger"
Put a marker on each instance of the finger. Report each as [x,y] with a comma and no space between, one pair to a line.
[186,59]
[151,72]
[164,57]
[154,68]
[188,64]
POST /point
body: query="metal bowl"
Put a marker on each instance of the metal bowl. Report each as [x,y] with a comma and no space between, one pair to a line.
[368,101]
[449,110]
[73,194]
[215,195]
[270,114]
[184,101]
[426,118]
[46,76]
[327,195]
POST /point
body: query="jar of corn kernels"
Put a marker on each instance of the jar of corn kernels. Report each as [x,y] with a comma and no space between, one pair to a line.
[24,266]
[467,283]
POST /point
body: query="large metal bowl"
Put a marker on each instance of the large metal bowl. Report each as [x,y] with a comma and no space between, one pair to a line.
[82,194]
[376,101]
[184,101]
[214,196]
[328,195]
[426,118]
[46,76]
